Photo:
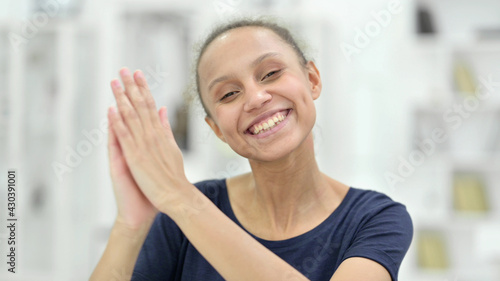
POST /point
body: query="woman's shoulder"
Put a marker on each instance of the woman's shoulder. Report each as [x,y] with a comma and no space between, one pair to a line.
[369,196]
[365,203]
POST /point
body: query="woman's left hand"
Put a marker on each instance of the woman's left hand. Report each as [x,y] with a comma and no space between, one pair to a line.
[147,141]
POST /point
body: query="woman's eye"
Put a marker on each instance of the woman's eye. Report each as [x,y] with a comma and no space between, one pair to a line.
[270,74]
[227,95]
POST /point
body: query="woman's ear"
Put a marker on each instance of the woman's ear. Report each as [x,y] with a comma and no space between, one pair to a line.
[215,128]
[314,79]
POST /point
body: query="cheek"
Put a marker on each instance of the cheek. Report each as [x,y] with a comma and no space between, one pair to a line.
[295,88]
[227,117]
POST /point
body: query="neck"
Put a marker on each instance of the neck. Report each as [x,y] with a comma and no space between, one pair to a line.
[287,191]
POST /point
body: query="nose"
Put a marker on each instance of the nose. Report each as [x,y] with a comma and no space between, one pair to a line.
[256,97]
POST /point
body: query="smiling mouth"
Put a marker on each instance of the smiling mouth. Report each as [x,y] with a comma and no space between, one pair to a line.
[269,123]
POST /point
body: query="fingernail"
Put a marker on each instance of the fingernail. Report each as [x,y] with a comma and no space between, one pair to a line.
[115,83]
[112,110]
[125,72]
[139,74]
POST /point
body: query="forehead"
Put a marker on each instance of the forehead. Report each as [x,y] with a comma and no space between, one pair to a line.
[237,48]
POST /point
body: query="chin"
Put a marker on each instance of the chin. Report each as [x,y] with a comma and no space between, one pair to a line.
[266,157]
[277,151]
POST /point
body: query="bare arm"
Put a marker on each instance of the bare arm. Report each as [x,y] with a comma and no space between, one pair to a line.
[155,162]
[238,256]
[228,248]
[358,268]
[120,255]
[134,219]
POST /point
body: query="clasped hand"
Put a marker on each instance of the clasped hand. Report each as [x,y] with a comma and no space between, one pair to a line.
[146,164]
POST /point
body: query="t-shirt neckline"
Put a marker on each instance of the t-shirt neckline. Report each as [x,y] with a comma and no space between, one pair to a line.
[297,240]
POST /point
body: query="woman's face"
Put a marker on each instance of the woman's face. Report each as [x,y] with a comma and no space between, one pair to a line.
[259,96]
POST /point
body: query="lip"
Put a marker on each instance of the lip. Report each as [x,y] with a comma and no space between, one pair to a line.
[264,117]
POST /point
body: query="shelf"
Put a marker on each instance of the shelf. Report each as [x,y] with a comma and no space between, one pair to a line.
[451,57]
[436,43]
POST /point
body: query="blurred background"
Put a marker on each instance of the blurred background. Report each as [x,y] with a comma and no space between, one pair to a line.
[410,107]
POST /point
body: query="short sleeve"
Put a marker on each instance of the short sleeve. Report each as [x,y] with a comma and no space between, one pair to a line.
[384,236]
[160,253]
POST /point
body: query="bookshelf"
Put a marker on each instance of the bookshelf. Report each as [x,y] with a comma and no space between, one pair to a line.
[456,97]
[52,89]
[84,53]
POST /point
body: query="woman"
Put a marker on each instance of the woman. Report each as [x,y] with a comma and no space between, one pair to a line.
[285,220]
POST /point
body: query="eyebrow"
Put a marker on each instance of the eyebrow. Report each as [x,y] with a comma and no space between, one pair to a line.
[253,64]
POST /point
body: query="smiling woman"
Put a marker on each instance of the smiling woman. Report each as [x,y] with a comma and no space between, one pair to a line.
[285,220]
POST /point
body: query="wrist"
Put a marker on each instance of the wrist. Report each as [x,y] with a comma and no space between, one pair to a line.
[187,201]
[131,232]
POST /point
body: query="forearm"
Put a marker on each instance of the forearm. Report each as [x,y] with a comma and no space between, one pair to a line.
[120,255]
[228,248]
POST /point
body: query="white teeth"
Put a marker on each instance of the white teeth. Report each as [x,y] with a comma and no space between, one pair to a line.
[271,123]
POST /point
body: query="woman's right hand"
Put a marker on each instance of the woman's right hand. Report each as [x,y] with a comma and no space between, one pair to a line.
[135,211]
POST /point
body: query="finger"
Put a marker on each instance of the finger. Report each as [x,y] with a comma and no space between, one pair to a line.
[120,130]
[114,148]
[165,123]
[136,97]
[112,140]
[150,103]
[126,110]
